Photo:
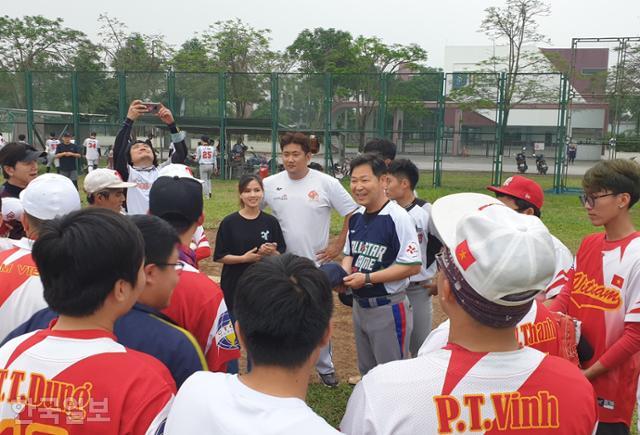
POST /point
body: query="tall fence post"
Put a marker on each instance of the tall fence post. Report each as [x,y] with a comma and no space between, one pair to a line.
[75,104]
[437,149]
[122,95]
[275,112]
[28,93]
[559,180]
[328,83]
[222,103]
[382,108]
[496,176]
[171,89]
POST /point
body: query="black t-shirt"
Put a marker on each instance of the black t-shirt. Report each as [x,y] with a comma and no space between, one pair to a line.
[68,163]
[237,235]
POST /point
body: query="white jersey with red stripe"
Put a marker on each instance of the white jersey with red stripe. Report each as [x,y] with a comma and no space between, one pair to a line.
[138,197]
[604,295]
[51,145]
[206,154]
[453,390]
[200,244]
[92,146]
[81,382]
[537,329]
[561,275]
[21,292]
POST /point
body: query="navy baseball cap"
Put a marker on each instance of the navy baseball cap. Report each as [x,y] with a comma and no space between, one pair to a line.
[334,272]
[172,197]
[14,152]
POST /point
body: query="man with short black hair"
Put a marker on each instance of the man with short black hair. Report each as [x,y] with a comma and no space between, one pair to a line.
[78,353]
[197,303]
[494,263]
[302,200]
[383,148]
[68,154]
[284,340]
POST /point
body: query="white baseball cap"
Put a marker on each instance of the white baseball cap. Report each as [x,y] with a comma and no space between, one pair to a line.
[505,257]
[11,209]
[50,196]
[103,178]
[177,170]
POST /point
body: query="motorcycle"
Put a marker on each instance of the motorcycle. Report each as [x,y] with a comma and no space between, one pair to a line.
[521,161]
[541,164]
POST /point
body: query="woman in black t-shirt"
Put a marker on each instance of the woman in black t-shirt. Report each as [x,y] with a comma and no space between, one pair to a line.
[246,236]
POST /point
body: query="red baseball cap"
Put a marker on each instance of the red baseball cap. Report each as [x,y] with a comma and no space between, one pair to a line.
[523,188]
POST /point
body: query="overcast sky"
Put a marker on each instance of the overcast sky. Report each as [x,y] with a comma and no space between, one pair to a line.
[433,24]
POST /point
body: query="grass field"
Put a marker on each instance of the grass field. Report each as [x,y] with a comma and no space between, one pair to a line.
[563,214]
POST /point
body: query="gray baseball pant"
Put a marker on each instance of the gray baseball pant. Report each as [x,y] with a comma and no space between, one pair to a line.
[422,314]
[324,366]
[382,327]
[206,171]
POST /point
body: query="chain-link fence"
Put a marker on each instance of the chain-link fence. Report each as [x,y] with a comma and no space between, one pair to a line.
[447,123]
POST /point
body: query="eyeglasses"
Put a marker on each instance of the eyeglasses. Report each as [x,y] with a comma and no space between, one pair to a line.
[178,266]
[590,200]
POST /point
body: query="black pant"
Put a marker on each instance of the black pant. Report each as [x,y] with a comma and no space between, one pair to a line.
[612,429]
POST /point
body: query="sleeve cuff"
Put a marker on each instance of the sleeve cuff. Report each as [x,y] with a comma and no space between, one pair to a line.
[173,128]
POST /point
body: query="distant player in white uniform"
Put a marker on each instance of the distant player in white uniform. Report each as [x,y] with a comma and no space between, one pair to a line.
[494,263]
[284,340]
[92,151]
[51,145]
[302,200]
[206,157]
[137,162]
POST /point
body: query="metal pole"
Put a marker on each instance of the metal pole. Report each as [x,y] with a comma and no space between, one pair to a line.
[327,121]
[437,151]
[171,89]
[28,93]
[122,95]
[382,108]
[222,118]
[275,112]
[496,177]
[559,182]
[75,106]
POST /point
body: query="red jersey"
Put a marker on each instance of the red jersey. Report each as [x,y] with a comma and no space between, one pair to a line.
[604,294]
[197,304]
[81,382]
[454,390]
[21,292]
[539,330]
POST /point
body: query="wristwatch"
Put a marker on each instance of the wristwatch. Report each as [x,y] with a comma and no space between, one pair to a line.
[367,279]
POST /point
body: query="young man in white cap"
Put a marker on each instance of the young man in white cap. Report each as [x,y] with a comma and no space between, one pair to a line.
[105,188]
[494,263]
[47,197]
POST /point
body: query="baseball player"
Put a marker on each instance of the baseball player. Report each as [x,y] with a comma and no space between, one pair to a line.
[283,339]
[137,162]
[50,148]
[206,157]
[197,303]
[381,253]
[144,328]
[73,377]
[92,151]
[402,179]
[105,188]
[494,263]
[302,200]
[524,195]
[45,198]
[604,291]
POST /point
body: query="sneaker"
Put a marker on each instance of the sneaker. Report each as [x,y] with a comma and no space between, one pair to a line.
[353,380]
[329,379]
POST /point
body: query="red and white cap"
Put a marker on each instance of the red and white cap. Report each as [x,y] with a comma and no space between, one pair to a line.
[177,170]
[523,188]
[50,196]
[103,178]
[11,209]
[505,257]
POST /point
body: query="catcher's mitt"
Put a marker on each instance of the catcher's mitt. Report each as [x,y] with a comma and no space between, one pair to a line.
[568,336]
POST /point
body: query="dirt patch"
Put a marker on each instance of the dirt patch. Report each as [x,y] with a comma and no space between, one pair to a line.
[344,349]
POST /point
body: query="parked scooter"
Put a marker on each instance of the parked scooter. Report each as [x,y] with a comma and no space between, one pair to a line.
[541,164]
[521,161]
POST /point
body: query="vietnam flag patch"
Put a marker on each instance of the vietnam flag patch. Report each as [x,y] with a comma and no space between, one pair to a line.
[463,254]
[617,281]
